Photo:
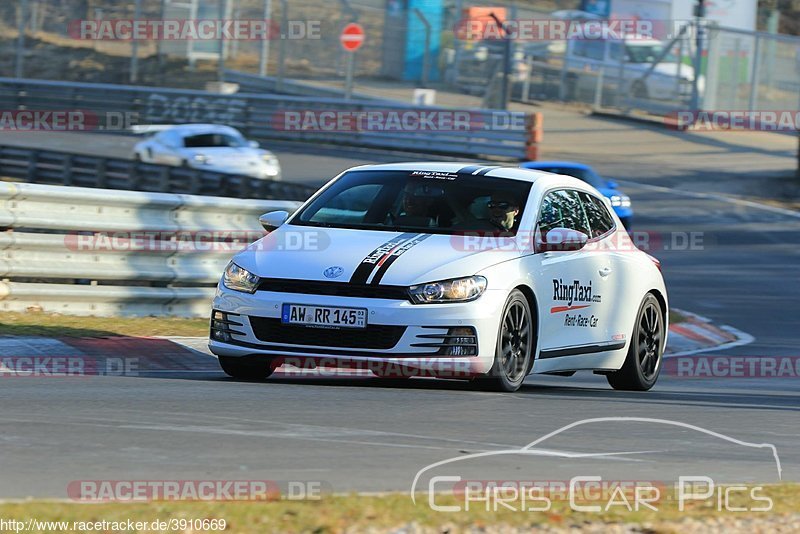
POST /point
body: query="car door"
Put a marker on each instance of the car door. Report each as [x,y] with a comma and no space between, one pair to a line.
[590,60]
[165,148]
[573,308]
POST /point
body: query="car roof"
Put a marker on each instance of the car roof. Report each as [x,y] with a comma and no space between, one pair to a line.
[562,164]
[495,171]
[638,40]
[189,129]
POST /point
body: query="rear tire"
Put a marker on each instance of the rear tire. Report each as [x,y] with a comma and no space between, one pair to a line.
[246,367]
[645,354]
[515,346]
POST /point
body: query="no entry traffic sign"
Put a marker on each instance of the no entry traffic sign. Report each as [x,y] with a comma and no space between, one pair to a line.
[352,37]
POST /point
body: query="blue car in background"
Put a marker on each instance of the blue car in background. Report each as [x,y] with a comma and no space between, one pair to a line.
[619,201]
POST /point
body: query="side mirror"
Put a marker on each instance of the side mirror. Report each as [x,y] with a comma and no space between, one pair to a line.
[272,220]
[253,144]
[611,184]
[563,240]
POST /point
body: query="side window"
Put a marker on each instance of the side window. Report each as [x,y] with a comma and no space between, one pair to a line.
[600,221]
[595,50]
[615,51]
[169,139]
[563,209]
[579,48]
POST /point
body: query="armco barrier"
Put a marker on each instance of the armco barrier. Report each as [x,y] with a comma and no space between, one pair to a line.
[492,133]
[104,252]
[252,83]
[64,168]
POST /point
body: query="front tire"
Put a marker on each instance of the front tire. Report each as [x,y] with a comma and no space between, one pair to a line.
[246,367]
[645,354]
[515,346]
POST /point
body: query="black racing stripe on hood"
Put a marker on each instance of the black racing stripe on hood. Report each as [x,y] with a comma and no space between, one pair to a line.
[469,170]
[487,169]
[402,249]
[367,265]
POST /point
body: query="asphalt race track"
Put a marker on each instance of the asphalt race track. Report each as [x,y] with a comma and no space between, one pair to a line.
[369,434]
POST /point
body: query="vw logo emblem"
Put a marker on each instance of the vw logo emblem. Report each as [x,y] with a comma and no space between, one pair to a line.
[333,271]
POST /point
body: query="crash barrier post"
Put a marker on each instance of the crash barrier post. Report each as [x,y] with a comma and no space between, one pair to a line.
[535,127]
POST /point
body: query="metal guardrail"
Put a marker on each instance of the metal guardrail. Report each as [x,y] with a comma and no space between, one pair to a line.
[253,83]
[106,252]
[64,168]
[491,133]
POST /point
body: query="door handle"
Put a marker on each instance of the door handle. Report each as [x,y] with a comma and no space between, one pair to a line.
[605,271]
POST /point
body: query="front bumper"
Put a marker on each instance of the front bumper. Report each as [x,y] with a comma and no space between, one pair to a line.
[262,172]
[422,323]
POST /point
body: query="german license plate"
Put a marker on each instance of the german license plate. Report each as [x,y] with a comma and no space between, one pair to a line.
[330,316]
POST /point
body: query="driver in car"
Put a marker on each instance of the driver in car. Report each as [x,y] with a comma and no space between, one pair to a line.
[416,206]
[503,211]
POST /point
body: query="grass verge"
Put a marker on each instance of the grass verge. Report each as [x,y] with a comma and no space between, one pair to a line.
[51,324]
[397,512]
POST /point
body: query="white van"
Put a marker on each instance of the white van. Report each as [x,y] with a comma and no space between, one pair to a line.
[629,60]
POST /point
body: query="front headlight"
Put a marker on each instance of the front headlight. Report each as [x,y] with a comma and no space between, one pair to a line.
[623,201]
[269,159]
[457,290]
[239,279]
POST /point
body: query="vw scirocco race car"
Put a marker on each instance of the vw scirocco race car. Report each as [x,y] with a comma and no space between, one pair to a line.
[446,270]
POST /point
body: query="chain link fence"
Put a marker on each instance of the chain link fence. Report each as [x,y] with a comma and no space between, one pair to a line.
[738,70]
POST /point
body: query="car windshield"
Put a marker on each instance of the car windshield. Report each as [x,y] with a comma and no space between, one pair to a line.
[587,175]
[648,54]
[211,140]
[423,201]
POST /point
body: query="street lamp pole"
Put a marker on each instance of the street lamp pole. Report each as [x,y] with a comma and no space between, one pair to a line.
[700,13]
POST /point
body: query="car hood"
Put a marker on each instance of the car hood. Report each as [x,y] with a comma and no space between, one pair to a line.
[671,69]
[358,256]
[608,192]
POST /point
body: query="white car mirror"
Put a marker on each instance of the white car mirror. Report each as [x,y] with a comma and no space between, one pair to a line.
[563,240]
[253,144]
[272,220]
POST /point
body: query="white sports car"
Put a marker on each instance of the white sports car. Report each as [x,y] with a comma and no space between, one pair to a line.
[447,270]
[208,147]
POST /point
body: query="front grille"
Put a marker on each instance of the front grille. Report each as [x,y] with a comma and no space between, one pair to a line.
[374,336]
[458,341]
[337,289]
[223,325]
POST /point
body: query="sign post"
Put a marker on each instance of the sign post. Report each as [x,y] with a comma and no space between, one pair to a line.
[351,38]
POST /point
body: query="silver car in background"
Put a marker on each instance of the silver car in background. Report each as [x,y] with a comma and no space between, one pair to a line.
[211,147]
